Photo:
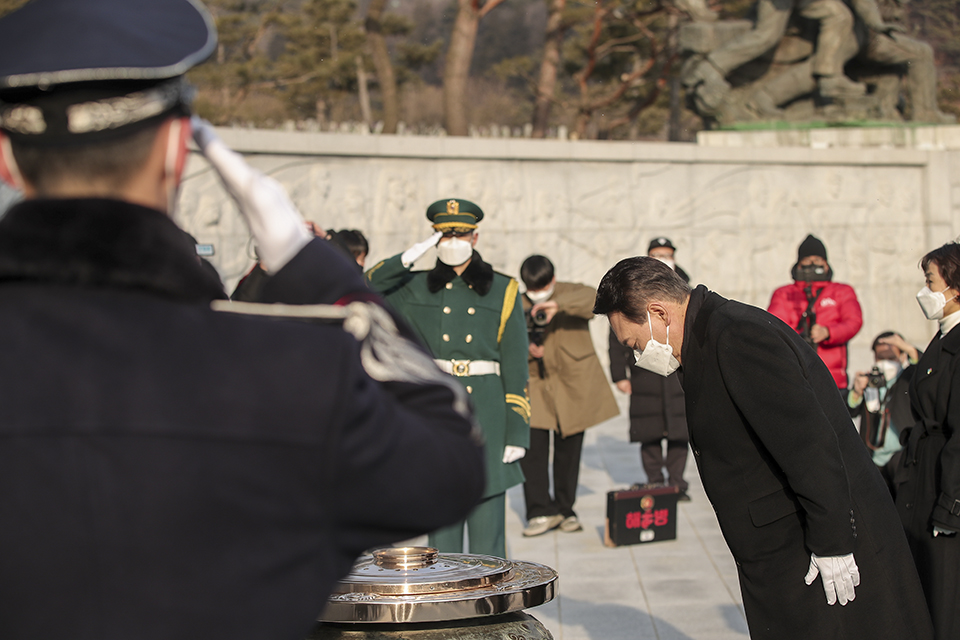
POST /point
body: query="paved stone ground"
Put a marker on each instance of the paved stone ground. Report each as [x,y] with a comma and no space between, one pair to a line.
[683,589]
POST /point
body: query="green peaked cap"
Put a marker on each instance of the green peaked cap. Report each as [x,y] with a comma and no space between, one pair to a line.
[454,213]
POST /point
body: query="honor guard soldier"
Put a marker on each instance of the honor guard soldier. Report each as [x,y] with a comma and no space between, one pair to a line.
[169,468]
[471,318]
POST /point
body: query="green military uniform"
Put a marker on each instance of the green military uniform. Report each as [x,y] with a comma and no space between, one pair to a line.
[476,317]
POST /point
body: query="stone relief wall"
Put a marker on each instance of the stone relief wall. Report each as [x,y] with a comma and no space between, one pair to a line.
[735,214]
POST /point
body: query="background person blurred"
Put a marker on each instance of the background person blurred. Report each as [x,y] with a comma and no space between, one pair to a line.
[568,393]
[250,287]
[170,469]
[825,313]
[663,250]
[352,242]
[928,479]
[471,319]
[881,399]
[657,411]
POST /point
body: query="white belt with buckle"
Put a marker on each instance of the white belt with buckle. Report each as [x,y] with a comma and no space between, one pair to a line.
[461,368]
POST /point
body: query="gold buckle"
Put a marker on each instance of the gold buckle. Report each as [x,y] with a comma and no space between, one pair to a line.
[461,368]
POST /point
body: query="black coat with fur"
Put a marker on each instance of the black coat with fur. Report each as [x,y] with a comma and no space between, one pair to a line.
[168,471]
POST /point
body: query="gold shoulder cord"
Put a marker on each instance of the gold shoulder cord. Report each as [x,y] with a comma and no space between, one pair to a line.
[509,299]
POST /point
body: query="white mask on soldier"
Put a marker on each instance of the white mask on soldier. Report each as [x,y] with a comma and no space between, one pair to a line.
[454,252]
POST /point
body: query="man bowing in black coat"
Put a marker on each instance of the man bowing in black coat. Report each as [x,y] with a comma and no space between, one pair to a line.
[795,492]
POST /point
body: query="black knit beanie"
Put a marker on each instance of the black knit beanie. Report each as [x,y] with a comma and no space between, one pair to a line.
[811,246]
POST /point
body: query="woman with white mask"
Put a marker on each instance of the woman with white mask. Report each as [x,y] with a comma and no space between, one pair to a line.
[928,478]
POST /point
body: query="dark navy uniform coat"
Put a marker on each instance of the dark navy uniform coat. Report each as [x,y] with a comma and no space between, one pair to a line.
[169,471]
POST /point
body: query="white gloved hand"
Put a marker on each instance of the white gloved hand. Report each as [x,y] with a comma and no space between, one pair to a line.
[840,575]
[411,255]
[277,227]
[941,531]
[512,453]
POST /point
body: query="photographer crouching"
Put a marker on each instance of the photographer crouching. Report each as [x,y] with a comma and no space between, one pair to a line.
[881,398]
[568,393]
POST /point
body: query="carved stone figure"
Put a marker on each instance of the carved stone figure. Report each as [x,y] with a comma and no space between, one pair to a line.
[784,67]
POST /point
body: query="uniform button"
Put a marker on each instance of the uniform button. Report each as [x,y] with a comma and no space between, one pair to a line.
[469,389]
[471,311]
[909,505]
[449,285]
[469,338]
[446,310]
[446,337]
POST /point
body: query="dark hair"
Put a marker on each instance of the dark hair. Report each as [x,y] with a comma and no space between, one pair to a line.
[885,334]
[947,259]
[350,240]
[536,272]
[633,283]
[111,162]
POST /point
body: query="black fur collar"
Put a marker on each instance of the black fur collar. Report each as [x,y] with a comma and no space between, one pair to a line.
[478,274]
[102,243]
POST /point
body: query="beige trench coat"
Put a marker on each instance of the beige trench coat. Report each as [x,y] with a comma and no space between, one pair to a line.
[575,394]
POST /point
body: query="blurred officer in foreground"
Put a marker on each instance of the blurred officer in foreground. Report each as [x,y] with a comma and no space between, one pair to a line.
[471,318]
[794,490]
[170,470]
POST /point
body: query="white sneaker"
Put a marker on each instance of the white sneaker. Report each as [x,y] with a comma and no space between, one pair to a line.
[571,524]
[541,524]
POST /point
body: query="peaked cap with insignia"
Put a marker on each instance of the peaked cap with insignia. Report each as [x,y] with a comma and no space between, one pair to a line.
[80,71]
[454,214]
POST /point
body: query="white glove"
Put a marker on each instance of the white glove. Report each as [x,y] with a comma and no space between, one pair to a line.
[940,530]
[512,453]
[408,257]
[839,574]
[276,225]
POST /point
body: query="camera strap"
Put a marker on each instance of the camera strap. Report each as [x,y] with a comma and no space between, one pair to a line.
[809,317]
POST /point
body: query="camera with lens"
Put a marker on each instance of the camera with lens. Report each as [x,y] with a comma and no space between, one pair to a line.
[536,326]
[876,378]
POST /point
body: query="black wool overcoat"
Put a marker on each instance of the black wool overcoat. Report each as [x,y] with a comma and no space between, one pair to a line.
[171,471]
[788,475]
[928,480]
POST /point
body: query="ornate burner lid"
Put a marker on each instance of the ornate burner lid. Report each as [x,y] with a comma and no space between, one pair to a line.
[418,584]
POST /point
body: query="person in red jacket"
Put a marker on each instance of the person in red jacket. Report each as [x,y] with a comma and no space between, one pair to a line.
[826,313]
